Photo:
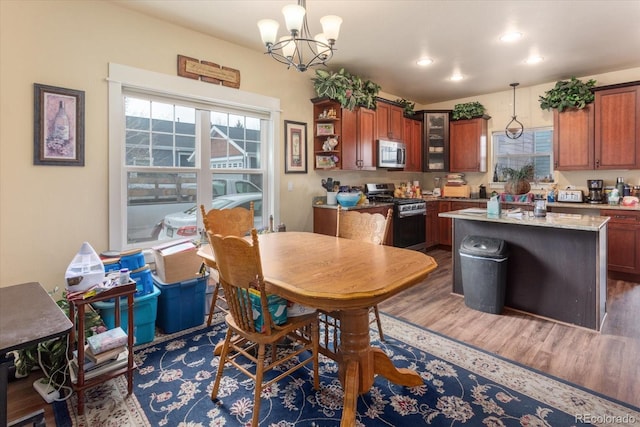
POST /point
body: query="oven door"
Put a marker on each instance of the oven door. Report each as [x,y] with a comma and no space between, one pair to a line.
[410,231]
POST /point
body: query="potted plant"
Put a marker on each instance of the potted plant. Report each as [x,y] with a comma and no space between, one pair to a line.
[573,93]
[51,356]
[518,179]
[407,106]
[468,110]
[351,91]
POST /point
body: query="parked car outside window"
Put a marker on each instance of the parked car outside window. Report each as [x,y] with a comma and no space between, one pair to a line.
[184,224]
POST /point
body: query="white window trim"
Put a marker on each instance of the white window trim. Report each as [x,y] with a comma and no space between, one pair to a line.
[122,76]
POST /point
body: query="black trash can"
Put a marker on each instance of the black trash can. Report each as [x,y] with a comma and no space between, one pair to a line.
[483,262]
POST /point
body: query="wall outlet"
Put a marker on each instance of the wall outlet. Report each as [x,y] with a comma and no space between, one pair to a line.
[47,391]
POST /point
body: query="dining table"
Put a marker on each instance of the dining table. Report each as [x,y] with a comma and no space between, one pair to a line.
[347,277]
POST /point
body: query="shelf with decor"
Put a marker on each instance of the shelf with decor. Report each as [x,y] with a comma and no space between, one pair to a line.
[327,132]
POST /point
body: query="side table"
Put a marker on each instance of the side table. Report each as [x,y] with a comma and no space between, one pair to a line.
[79,305]
[28,315]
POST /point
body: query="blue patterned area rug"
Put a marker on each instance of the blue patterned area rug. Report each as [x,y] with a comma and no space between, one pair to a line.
[463,386]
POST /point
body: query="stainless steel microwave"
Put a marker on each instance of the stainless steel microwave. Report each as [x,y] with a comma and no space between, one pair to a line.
[391,154]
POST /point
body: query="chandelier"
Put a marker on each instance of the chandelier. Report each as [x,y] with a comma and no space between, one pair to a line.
[514,128]
[298,49]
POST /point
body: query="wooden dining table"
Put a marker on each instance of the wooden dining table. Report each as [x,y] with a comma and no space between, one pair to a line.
[348,276]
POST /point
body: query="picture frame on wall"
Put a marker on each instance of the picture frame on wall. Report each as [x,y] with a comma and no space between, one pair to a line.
[58,126]
[295,147]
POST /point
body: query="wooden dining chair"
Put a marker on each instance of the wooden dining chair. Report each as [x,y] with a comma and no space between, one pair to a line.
[365,227]
[240,269]
[227,222]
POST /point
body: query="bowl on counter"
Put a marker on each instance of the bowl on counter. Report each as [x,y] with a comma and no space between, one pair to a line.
[348,199]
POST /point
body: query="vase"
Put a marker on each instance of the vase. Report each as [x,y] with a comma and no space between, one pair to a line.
[515,187]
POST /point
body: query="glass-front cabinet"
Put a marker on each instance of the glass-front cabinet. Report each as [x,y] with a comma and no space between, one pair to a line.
[435,140]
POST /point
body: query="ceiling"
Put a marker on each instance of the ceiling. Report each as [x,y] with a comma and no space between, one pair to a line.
[382,40]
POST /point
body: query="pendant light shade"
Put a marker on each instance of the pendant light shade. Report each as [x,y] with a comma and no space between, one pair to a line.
[514,129]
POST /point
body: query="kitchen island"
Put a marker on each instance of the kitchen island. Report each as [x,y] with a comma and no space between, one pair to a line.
[557,266]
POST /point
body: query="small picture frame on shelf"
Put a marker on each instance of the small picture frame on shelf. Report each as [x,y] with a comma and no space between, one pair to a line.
[324,129]
[324,162]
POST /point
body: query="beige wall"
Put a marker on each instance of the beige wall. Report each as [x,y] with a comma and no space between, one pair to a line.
[46,212]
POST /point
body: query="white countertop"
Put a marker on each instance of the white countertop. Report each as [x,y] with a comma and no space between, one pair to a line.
[553,220]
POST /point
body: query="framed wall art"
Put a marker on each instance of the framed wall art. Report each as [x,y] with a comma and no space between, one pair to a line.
[324,129]
[295,147]
[58,130]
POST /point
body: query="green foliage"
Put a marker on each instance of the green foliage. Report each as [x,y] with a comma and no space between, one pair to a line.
[525,173]
[408,106]
[467,111]
[351,91]
[572,93]
[51,356]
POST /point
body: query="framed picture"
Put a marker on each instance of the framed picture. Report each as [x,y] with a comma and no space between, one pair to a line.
[295,147]
[325,162]
[324,129]
[58,132]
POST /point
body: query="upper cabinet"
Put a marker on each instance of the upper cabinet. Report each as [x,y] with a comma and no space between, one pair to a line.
[468,145]
[573,139]
[617,127]
[358,139]
[435,140]
[413,140]
[390,118]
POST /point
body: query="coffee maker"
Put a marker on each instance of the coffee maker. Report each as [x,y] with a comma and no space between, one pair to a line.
[595,187]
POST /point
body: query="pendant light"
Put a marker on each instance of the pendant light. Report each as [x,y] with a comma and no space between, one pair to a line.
[514,129]
[298,49]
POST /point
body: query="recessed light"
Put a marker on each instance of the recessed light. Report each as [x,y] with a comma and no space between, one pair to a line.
[533,60]
[455,77]
[423,62]
[511,37]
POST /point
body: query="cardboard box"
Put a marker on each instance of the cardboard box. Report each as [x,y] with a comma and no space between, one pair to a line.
[457,191]
[177,261]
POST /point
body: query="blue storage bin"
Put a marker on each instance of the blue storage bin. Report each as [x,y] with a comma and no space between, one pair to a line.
[144,283]
[145,309]
[111,264]
[132,260]
[180,304]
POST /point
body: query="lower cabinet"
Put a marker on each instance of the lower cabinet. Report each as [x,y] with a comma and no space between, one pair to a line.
[623,245]
[432,238]
[444,224]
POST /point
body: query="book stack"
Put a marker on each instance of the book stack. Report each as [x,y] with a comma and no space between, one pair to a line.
[103,353]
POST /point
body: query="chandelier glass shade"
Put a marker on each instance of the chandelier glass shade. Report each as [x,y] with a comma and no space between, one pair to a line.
[514,129]
[298,49]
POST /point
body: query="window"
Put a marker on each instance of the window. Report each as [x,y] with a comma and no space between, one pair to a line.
[171,152]
[535,147]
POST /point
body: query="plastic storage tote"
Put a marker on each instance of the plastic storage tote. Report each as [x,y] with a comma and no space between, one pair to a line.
[483,262]
[180,304]
[144,315]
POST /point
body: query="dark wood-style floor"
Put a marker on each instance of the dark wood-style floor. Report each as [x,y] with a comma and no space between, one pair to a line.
[606,361]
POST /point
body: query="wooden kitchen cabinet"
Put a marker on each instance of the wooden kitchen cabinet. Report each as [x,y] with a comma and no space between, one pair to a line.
[390,120]
[617,127]
[327,159]
[623,244]
[468,145]
[413,140]
[435,140]
[444,224]
[358,139]
[324,220]
[432,237]
[573,139]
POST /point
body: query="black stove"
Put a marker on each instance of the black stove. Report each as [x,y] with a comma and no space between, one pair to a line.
[409,225]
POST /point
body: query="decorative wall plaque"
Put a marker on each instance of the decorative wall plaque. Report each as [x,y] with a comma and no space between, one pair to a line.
[209,72]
